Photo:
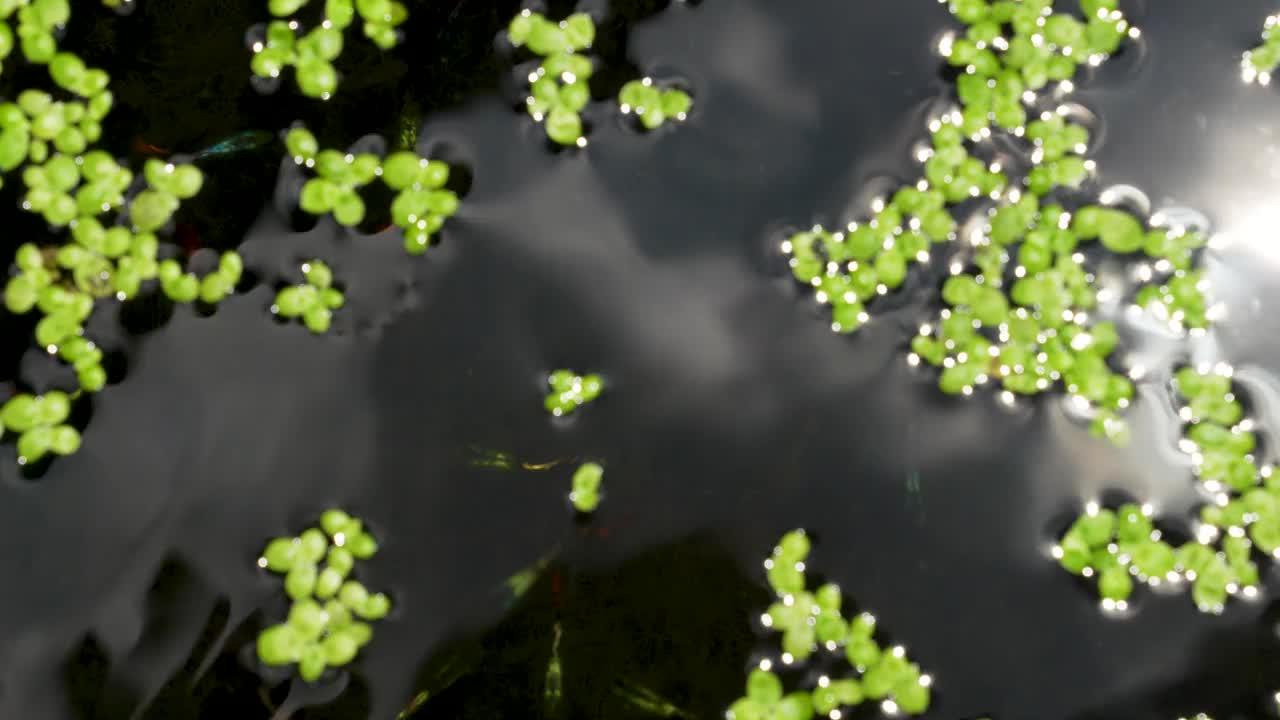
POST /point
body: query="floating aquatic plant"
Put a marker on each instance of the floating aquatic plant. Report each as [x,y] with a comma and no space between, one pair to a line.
[558,88]
[39,421]
[1242,521]
[422,202]
[330,618]
[569,391]
[313,301]
[1021,298]
[312,54]
[815,622]
[653,105]
[586,487]
[1259,63]
[111,249]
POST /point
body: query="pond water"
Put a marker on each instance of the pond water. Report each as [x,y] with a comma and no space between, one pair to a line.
[732,413]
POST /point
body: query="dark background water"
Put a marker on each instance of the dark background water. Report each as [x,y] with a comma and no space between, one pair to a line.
[732,413]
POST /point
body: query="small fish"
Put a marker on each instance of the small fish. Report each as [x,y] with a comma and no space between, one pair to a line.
[541,466]
[143,147]
[247,140]
[491,459]
[553,683]
[520,582]
[647,700]
[498,460]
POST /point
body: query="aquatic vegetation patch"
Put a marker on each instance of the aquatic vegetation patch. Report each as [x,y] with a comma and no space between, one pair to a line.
[422,202]
[558,88]
[814,622]
[653,105]
[329,620]
[1239,525]
[1257,64]
[1020,302]
[311,54]
[587,479]
[111,218]
[570,391]
[313,301]
[1033,328]
[40,421]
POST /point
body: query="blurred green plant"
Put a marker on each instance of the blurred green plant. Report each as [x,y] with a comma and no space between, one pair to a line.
[569,391]
[1257,64]
[312,54]
[585,495]
[330,618]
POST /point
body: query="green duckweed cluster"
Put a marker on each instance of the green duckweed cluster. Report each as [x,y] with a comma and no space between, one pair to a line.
[558,89]
[330,617]
[312,54]
[422,202]
[587,479]
[814,622]
[653,105]
[1020,297]
[1259,63]
[569,391]
[314,301]
[104,221]
[40,421]
[1240,524]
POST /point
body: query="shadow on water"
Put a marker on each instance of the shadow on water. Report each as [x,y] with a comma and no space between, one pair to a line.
[679,650]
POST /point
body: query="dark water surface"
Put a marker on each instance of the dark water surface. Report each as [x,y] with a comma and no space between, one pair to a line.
[732,413]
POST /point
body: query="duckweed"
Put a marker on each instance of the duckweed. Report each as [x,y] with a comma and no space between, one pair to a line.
[653,105]
[558,89]
[422,202]
[1259,63]
[111,250]
[1019,303]
[569,391]
[1240,524]
[313,301]
[40,422]
[331,615]
[586,487]
[813,622]
[312,54]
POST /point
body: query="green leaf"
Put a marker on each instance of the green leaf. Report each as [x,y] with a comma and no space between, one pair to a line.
[580,31]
